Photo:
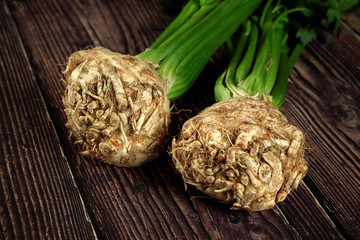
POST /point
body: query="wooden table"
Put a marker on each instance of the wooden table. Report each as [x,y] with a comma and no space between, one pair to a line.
[48,191]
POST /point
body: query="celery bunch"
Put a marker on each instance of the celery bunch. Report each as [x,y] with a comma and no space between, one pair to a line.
[271,42]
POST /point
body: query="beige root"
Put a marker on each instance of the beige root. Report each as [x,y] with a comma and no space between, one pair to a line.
[242,152]
[117,107]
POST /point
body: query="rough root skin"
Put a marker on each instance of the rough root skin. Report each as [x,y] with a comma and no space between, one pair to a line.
[117,107]
[242,152]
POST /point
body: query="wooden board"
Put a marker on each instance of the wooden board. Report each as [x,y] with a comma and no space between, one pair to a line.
[92,199]
[39,197]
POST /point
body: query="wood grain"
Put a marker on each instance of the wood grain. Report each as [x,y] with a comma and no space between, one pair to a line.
[150,202]
[351,18]
[39,198]
[324,103]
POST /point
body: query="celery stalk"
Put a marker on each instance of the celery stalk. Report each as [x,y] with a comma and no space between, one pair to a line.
[182,53]
[265,66]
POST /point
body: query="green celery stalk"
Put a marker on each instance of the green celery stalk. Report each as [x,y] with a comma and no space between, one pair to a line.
[183,52]
[248,59]
[265,66]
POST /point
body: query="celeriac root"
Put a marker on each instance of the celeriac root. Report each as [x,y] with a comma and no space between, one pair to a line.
[241,151]
[117,107]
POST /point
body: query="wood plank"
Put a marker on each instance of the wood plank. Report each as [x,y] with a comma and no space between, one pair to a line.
[323,101]
[150,201]
[39,198]
[351,18]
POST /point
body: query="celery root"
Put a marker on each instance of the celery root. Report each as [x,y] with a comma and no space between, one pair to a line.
[118,106]
[241,151]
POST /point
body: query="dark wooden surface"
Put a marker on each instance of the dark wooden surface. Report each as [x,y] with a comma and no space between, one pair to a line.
[48,191]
